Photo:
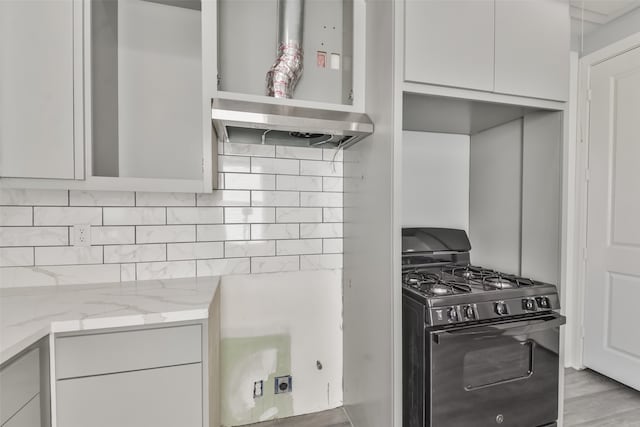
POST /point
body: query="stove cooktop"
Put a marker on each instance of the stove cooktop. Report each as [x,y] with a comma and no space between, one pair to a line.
[454,293]
[457,279]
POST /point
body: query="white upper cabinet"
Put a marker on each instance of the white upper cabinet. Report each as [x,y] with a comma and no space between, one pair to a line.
[513,47]
[532,48]
[107,95]
[146,90]
[450,43]
[37,89]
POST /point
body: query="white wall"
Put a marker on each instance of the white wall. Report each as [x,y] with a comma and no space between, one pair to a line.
[281,324]
[435,180]
[542,149]
[495,202]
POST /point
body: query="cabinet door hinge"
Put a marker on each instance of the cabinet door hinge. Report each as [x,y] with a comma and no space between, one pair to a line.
[587,175]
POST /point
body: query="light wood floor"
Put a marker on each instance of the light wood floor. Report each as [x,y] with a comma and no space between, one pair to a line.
[332,418]
[591,400]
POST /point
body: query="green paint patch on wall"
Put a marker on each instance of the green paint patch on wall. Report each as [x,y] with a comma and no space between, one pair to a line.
[246,360]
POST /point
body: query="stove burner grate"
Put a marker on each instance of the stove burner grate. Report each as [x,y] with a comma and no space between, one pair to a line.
[498,282]
[469,272]
[489,279]
[433,284]
[505,281]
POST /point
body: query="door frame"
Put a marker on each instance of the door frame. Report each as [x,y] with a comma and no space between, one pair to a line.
[577,266]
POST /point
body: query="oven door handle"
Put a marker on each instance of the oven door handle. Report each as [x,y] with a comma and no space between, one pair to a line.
[518,327]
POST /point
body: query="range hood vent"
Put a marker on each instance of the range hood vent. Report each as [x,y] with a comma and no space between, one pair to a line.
[239,121]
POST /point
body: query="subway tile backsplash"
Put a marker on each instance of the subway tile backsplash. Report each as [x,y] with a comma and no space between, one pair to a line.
[278,209]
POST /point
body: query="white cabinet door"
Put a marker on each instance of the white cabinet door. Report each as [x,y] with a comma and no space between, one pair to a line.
[532,48]
[162,397]
[19,383]
[28,416]
[450,43]
[36,89]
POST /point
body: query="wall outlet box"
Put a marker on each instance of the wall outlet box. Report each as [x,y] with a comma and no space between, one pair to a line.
[283,384]
[82,235]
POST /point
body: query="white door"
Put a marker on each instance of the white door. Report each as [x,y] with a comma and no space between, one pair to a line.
[612,299]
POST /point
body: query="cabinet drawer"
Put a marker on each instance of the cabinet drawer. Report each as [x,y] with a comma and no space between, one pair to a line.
[19,383]
[102,353]
[28,416]
[163,397]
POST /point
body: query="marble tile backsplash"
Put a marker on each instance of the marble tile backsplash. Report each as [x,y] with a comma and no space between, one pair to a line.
[277,209]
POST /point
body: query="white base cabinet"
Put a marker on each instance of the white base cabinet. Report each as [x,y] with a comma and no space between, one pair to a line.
[24,388]
[161,397]
[155,376]
[19,383]
[28,416]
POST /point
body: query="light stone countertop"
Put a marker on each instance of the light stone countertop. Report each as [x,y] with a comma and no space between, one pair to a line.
[28,314]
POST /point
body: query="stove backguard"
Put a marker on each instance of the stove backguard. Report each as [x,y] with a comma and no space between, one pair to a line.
[434,240]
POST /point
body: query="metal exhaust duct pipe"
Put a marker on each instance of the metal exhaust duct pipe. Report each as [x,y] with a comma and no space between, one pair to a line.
[284,74]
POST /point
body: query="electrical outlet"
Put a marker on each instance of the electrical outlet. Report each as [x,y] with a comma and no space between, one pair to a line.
[82,235]
[258,389]
[283,384]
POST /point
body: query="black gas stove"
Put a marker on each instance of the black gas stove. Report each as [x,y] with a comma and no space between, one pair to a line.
[437,272]
[480,346]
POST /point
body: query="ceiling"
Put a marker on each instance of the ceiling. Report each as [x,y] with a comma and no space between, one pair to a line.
[597,13]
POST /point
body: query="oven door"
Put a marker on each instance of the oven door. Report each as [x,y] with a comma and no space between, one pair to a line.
[500,374]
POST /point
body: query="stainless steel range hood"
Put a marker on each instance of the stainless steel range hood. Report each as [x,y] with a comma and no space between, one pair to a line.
[288,125]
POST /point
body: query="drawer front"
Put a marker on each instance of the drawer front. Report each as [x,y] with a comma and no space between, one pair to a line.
[163,397]
[29,416]
[19,383]
[103,353]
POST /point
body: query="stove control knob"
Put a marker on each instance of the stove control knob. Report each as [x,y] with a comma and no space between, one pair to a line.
[452,314]
[501,309]
[543,302]
[469,314]
[529,304]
